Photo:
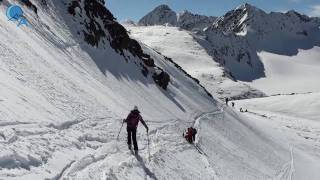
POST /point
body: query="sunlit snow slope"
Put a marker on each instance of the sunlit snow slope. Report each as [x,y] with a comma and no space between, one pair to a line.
[69,79]
[291,120]
[62,100]
[181,46]
[290,74]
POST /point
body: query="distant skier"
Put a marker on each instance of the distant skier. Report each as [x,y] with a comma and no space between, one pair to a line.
[232,104]
[132,123]
[241,110]
[227,100]
[188,135]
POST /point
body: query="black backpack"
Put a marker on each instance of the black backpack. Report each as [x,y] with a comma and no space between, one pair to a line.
[194,131]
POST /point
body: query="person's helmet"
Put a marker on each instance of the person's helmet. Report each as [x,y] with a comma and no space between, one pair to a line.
[135,108]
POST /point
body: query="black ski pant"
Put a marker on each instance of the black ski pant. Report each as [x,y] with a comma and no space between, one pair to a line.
[132,132]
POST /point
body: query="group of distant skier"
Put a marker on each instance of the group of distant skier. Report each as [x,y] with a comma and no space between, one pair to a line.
[233,104]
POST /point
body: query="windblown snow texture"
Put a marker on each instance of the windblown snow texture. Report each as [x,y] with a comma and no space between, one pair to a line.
[67,83]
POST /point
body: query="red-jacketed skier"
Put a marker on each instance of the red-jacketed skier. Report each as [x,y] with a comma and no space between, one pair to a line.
[189,135]
[132,123]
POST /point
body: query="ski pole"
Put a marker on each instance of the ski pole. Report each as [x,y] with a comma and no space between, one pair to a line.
[148,145]
[120,130]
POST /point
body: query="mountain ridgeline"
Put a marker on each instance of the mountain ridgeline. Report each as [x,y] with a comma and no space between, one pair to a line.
[234,39]
[163,15]
[97,34]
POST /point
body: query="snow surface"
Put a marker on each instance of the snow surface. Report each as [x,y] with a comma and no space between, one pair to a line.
[61,112]
[184,49]
[290,74]
[291,120]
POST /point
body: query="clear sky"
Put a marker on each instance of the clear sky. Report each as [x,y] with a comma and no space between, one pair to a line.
[135,9]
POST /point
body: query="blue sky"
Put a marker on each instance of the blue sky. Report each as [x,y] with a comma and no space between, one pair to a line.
[135,9]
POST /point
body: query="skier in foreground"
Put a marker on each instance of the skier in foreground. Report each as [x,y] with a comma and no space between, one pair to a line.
[132,123]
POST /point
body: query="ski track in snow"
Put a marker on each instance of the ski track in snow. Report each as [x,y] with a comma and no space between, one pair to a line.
[94,162]
[287,172]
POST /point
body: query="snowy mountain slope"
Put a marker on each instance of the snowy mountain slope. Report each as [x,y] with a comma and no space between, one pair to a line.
[181,46]
[292,120]
[62,99]
[250,44]
[163,15]
[304,106]
[237,36]
[64,93]
[300,73]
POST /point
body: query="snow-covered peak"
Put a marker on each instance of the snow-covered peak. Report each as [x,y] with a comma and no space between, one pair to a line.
[248,7]
[159,16]
[163,15]
[190,21]
[247,17]
[237,36]
[237,19]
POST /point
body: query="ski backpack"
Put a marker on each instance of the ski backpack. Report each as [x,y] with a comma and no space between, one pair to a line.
[133,119]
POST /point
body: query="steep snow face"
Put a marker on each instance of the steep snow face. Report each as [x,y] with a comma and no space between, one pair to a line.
[234,53]
[189,21]
[159,16]
[69,80]
[236,20]
[182,47]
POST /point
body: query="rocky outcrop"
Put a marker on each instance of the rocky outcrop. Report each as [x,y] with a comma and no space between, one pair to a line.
[189,21]
[100,27]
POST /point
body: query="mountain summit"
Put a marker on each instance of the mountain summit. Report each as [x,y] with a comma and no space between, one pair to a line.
[163,15]
[159,16]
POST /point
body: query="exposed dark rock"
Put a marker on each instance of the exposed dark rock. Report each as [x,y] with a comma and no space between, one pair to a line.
[30,5]
[188,75]
[107,29]
[162,79]
[72,7]
[144,70]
